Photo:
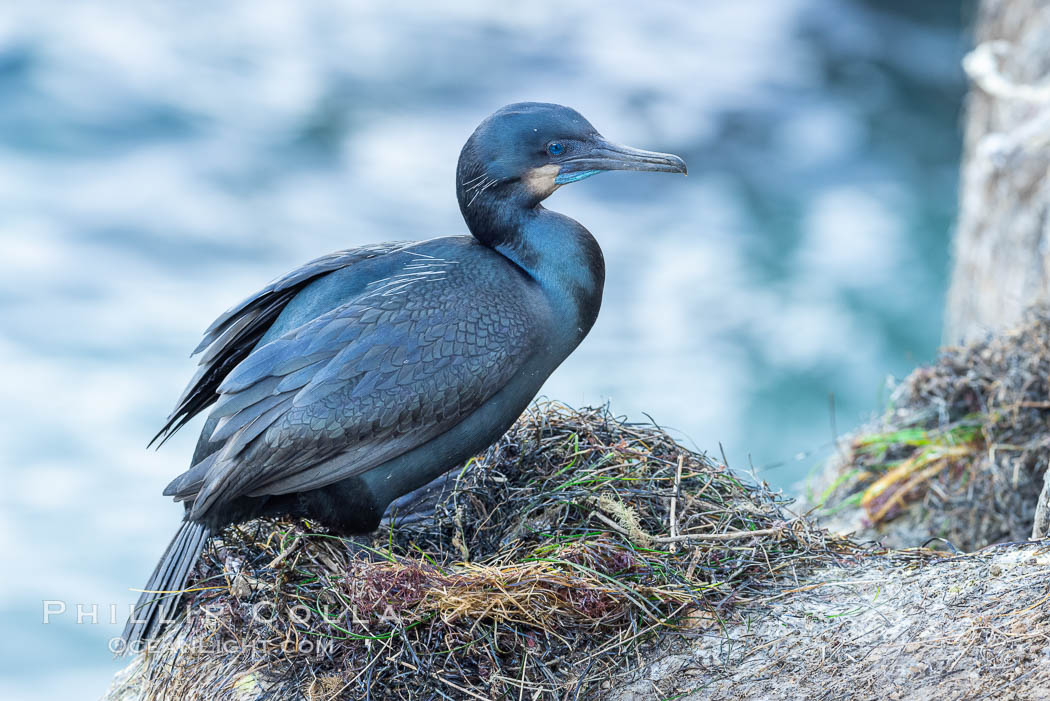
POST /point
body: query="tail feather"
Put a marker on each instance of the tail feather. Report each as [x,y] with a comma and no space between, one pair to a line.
[163,591]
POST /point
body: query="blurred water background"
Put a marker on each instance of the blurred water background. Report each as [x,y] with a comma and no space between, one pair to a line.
[159,161]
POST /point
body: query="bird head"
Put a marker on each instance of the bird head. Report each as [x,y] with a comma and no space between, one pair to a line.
[527,150]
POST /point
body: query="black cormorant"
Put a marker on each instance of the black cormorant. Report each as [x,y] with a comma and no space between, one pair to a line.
[367,373]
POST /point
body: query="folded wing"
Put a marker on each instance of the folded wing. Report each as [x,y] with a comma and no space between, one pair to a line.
[356,387]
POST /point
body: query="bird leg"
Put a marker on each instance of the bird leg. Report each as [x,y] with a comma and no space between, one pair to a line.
[420,503]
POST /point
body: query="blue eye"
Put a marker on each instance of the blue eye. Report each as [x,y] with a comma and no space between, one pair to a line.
[555,149]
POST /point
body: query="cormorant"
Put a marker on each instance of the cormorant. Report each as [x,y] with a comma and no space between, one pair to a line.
[367,373]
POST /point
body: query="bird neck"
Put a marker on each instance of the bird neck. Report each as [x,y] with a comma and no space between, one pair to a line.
[557,252]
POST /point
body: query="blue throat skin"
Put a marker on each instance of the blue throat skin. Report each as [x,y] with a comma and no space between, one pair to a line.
[365,374]
[566,178]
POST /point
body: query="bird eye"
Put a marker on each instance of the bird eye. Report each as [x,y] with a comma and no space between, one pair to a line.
[555,148]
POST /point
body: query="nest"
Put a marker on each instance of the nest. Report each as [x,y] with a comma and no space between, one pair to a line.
[552,564]
[961,453]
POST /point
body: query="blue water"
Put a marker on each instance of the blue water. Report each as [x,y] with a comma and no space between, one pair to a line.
[158,161]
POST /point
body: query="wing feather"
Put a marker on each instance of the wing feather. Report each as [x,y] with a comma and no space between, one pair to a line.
[362,384]
[235,333]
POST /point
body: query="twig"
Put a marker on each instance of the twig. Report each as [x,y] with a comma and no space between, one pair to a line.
[728,535]
[674,502]
[458,687]
[1041,521]
[284,554]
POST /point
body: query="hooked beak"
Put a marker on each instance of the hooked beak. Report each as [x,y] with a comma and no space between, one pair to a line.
[607,156]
